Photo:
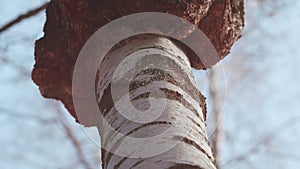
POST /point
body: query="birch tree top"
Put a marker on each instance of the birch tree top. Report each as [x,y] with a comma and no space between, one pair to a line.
[71,22]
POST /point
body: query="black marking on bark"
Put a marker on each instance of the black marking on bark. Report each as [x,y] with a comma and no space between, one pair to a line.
[202,101]
[106,102]
[159,75]
[197,124]
[185,166]
[149,124]
[117,144]
[173,95]
[120,162]
[194,144]
[137,163]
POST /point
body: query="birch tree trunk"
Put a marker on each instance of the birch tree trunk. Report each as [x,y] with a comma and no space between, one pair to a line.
[182,141]
[159,118]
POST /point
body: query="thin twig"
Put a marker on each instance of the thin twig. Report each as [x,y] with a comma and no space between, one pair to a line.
[270,136]
[24,16]
[73,139]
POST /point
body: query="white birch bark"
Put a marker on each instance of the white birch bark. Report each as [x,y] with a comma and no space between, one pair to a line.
[175,138]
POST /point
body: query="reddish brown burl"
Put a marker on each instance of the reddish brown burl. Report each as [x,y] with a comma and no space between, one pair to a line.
[71,22]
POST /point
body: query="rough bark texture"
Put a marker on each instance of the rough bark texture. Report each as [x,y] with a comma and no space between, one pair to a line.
[71,22]
[183,111]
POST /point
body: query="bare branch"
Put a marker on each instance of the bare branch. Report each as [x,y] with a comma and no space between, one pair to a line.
[70,134]
[24,116]
[24,72]
[24,16]
[265,140]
